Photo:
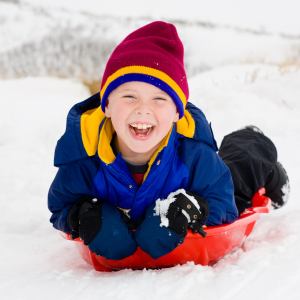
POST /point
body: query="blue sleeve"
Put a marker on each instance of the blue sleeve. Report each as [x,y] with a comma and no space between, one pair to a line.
[153,239]
[210,178]
[72,181]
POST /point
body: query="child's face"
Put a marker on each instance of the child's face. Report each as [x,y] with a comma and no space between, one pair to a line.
[141,114]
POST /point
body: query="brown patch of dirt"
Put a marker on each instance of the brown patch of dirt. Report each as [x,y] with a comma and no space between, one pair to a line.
[94,86]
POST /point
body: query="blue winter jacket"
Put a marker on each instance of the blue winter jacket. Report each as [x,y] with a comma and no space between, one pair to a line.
[186,159]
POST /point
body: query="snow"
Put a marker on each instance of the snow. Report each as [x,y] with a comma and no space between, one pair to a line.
[286,192]
[258,15]
[236,83]
[36,263]
[161,209]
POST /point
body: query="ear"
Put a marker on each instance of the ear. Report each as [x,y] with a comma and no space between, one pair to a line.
[176,117]
[107,111]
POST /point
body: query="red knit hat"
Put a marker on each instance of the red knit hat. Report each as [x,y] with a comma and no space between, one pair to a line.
[151,54]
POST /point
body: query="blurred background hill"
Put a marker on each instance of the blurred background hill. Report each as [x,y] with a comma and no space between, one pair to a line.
[74,38]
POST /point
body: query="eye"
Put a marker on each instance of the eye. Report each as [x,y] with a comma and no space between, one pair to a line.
[159,98]
[128,96]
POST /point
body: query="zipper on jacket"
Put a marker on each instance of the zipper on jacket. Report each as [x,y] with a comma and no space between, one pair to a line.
[130,185]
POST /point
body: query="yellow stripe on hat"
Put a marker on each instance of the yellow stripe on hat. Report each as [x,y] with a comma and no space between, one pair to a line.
[146,71]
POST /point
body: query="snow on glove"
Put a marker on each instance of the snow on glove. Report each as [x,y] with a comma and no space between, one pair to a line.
[182,210]
[85,218]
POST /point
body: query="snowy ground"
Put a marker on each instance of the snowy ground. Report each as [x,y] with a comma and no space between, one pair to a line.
[73,37]
[36,263]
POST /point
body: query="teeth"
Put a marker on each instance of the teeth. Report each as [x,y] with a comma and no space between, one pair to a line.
[131,129]
[149,131]
[141,126]
[147,126]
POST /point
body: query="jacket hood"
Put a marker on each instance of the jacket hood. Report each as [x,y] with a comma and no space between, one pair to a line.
[87,125]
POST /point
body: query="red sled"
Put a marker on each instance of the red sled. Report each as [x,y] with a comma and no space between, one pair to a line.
[219,241]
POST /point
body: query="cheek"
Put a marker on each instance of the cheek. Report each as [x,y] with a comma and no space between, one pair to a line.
[119,116]
[166,117]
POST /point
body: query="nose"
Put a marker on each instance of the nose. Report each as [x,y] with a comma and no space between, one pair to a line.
[142,109]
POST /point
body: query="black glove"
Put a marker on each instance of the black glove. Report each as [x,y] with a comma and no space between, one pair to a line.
[197,224]
[177,220]
[85,218]
[183,214]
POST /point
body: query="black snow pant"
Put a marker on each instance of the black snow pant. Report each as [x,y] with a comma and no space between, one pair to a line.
[251,157]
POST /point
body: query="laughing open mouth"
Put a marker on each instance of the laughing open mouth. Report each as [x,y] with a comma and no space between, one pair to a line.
[141,129]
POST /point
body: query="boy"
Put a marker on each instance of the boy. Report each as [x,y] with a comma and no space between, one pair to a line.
[142,159]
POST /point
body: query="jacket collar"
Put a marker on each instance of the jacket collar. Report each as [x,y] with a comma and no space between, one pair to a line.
[106,155]
[89,133]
